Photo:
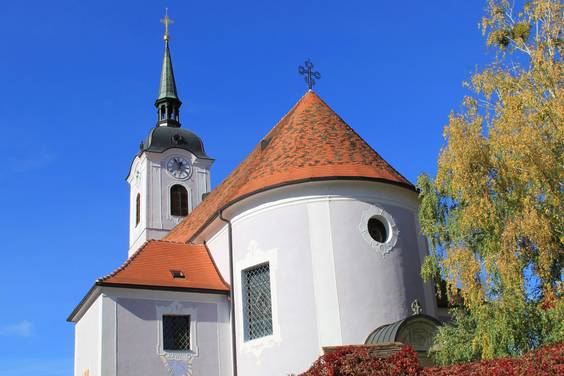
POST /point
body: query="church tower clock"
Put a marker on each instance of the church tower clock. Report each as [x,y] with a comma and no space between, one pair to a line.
[171,172]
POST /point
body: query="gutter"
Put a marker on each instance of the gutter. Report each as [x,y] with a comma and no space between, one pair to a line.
[100,284]
[231,284]
[89,295]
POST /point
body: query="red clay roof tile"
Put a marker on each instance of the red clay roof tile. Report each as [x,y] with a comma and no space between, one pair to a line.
[151,266]
[310,142]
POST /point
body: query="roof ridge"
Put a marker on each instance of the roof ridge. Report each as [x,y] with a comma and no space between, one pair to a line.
[290,111]
[127,262]
[362,138]
[170,241]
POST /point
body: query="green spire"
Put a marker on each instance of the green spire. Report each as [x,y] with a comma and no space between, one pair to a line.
[168,104]
[168,85]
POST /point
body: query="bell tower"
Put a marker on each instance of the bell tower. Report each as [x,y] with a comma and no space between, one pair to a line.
[170,174]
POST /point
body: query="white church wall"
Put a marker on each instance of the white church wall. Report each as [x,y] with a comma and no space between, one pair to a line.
[87,339]
[329,285]
[137,180]
[375,286]
[107,336]
[277,233]
[138,335]
[327,309]
[218,246]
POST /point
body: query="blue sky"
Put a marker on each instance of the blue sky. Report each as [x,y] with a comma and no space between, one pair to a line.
[78,84]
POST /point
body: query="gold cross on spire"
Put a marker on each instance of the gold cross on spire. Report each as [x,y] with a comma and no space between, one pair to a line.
[166,21]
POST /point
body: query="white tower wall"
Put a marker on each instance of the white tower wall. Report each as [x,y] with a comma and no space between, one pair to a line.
[150,179]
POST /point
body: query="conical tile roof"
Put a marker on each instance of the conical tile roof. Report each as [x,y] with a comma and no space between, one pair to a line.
[311,142]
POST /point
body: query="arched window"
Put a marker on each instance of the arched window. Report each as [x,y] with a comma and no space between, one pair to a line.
[137,209]
[178,200]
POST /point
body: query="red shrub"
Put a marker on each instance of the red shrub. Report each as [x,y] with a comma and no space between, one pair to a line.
[355,360]
[547,361]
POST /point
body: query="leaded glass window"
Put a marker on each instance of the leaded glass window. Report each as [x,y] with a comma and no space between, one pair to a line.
[257,302]
[176,332]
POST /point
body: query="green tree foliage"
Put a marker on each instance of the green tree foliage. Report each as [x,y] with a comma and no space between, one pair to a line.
[494,212]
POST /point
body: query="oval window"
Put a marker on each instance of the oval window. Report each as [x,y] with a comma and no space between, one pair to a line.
[377,230]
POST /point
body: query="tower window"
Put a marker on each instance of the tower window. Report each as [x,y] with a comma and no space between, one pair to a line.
[176,332]
[178,200]
[257,303]
[137,209]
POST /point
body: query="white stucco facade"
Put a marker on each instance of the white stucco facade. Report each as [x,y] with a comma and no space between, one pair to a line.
[121,334]
[87,340]
[329,284]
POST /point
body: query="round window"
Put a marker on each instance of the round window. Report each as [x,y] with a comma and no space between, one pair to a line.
[377,230]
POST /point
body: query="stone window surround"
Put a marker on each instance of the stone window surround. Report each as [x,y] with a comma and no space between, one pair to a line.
[374,211]
[255,257]
[177,308]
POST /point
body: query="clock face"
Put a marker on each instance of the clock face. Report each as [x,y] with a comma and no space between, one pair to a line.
[179,167]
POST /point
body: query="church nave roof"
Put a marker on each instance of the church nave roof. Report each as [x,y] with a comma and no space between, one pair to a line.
[157,262]
[311,142]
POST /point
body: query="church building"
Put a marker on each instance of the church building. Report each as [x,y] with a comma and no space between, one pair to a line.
[313,241]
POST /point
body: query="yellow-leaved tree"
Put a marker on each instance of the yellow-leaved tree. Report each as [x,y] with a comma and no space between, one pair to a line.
[494,213]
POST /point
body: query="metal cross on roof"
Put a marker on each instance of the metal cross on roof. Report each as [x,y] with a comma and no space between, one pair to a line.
[166,21]
[310,75]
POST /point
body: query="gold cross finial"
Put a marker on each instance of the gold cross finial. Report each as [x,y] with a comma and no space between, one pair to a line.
[166,21]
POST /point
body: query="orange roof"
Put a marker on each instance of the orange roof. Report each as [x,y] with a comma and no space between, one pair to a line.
[311,142]
[152,264]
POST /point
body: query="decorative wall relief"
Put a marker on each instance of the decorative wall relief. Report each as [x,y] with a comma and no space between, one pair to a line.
[177,367]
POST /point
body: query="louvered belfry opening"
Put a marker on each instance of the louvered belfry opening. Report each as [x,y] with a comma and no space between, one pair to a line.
[257,302]
[176,332]
[178,201]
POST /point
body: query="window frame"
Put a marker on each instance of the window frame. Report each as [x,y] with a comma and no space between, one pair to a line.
[176,199]
[392,229]
[247,324]
[256,256]
[177,308]
[137,209]
[164,340]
